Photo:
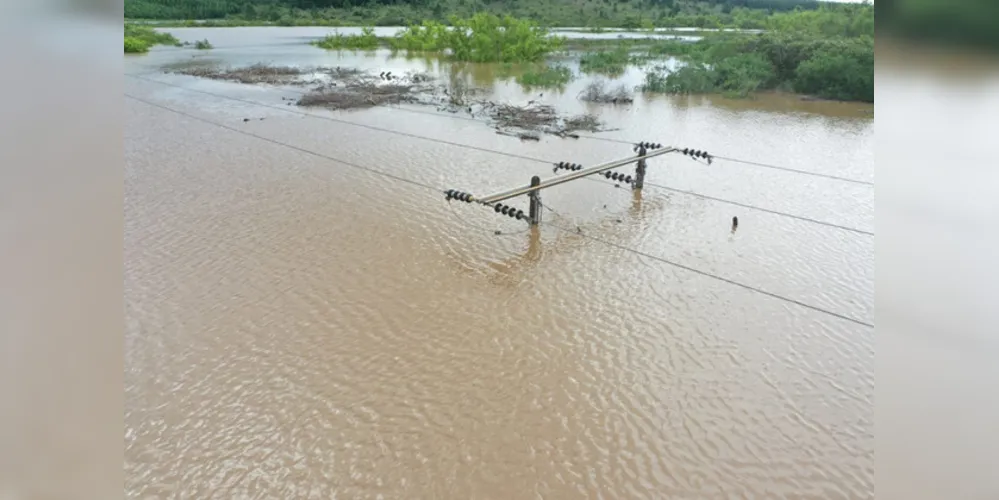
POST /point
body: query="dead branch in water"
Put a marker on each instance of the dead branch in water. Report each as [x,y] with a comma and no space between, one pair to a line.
[597,91]
[359,94]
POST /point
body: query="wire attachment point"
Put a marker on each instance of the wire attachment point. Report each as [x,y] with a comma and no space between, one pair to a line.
[564,165]
[696,153]
[454,194]
[646,145]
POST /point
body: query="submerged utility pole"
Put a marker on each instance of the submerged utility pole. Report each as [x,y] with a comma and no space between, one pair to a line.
[535,196]
[533,217]
[640,169]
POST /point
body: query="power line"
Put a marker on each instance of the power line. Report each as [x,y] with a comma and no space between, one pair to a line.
[346,122]
[754,163]
[290,146]
[581,136]
[432,188]
[502,153]
[765,210]
[794,170]
[715,276]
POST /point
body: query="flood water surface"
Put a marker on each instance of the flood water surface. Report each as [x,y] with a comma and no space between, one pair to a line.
[301,327]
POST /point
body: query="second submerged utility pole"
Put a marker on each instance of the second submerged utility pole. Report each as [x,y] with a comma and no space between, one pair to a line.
[535,196]
[640,169]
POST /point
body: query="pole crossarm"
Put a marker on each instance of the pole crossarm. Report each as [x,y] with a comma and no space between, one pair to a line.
[554,181]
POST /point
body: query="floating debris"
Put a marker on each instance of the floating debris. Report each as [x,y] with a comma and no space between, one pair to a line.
[597,91]
[350,88]
[256,74]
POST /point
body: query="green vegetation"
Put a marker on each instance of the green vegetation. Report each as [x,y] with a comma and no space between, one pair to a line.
[149,35]
[549,77]
[827,52]
[634,14]
[203,45]
[139,39]
[430,36]
[135,45]
[337,41]
[481,38]
[607,62]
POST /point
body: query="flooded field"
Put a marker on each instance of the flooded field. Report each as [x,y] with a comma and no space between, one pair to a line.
[300,326]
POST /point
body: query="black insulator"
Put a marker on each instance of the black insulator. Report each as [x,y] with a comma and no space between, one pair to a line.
[520,214]
[686,151]
[513,213]
[466,197]
[561,164]
[627,179]
[506,210]
[497,207]
[447,194]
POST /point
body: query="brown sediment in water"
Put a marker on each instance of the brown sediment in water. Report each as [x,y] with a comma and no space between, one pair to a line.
[350,88]
[256,74]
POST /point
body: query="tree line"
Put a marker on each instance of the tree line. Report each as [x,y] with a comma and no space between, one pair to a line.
[275,10]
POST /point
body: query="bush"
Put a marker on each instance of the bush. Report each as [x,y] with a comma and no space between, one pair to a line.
[336,41]
[135,45]
[550,76]
[483,37]
[609,62]
[430,36]
[841,75]
[149,36]
[744,73]
[203,45]
[694,78]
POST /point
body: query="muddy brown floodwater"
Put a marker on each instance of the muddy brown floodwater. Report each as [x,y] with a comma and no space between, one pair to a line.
[301,328]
